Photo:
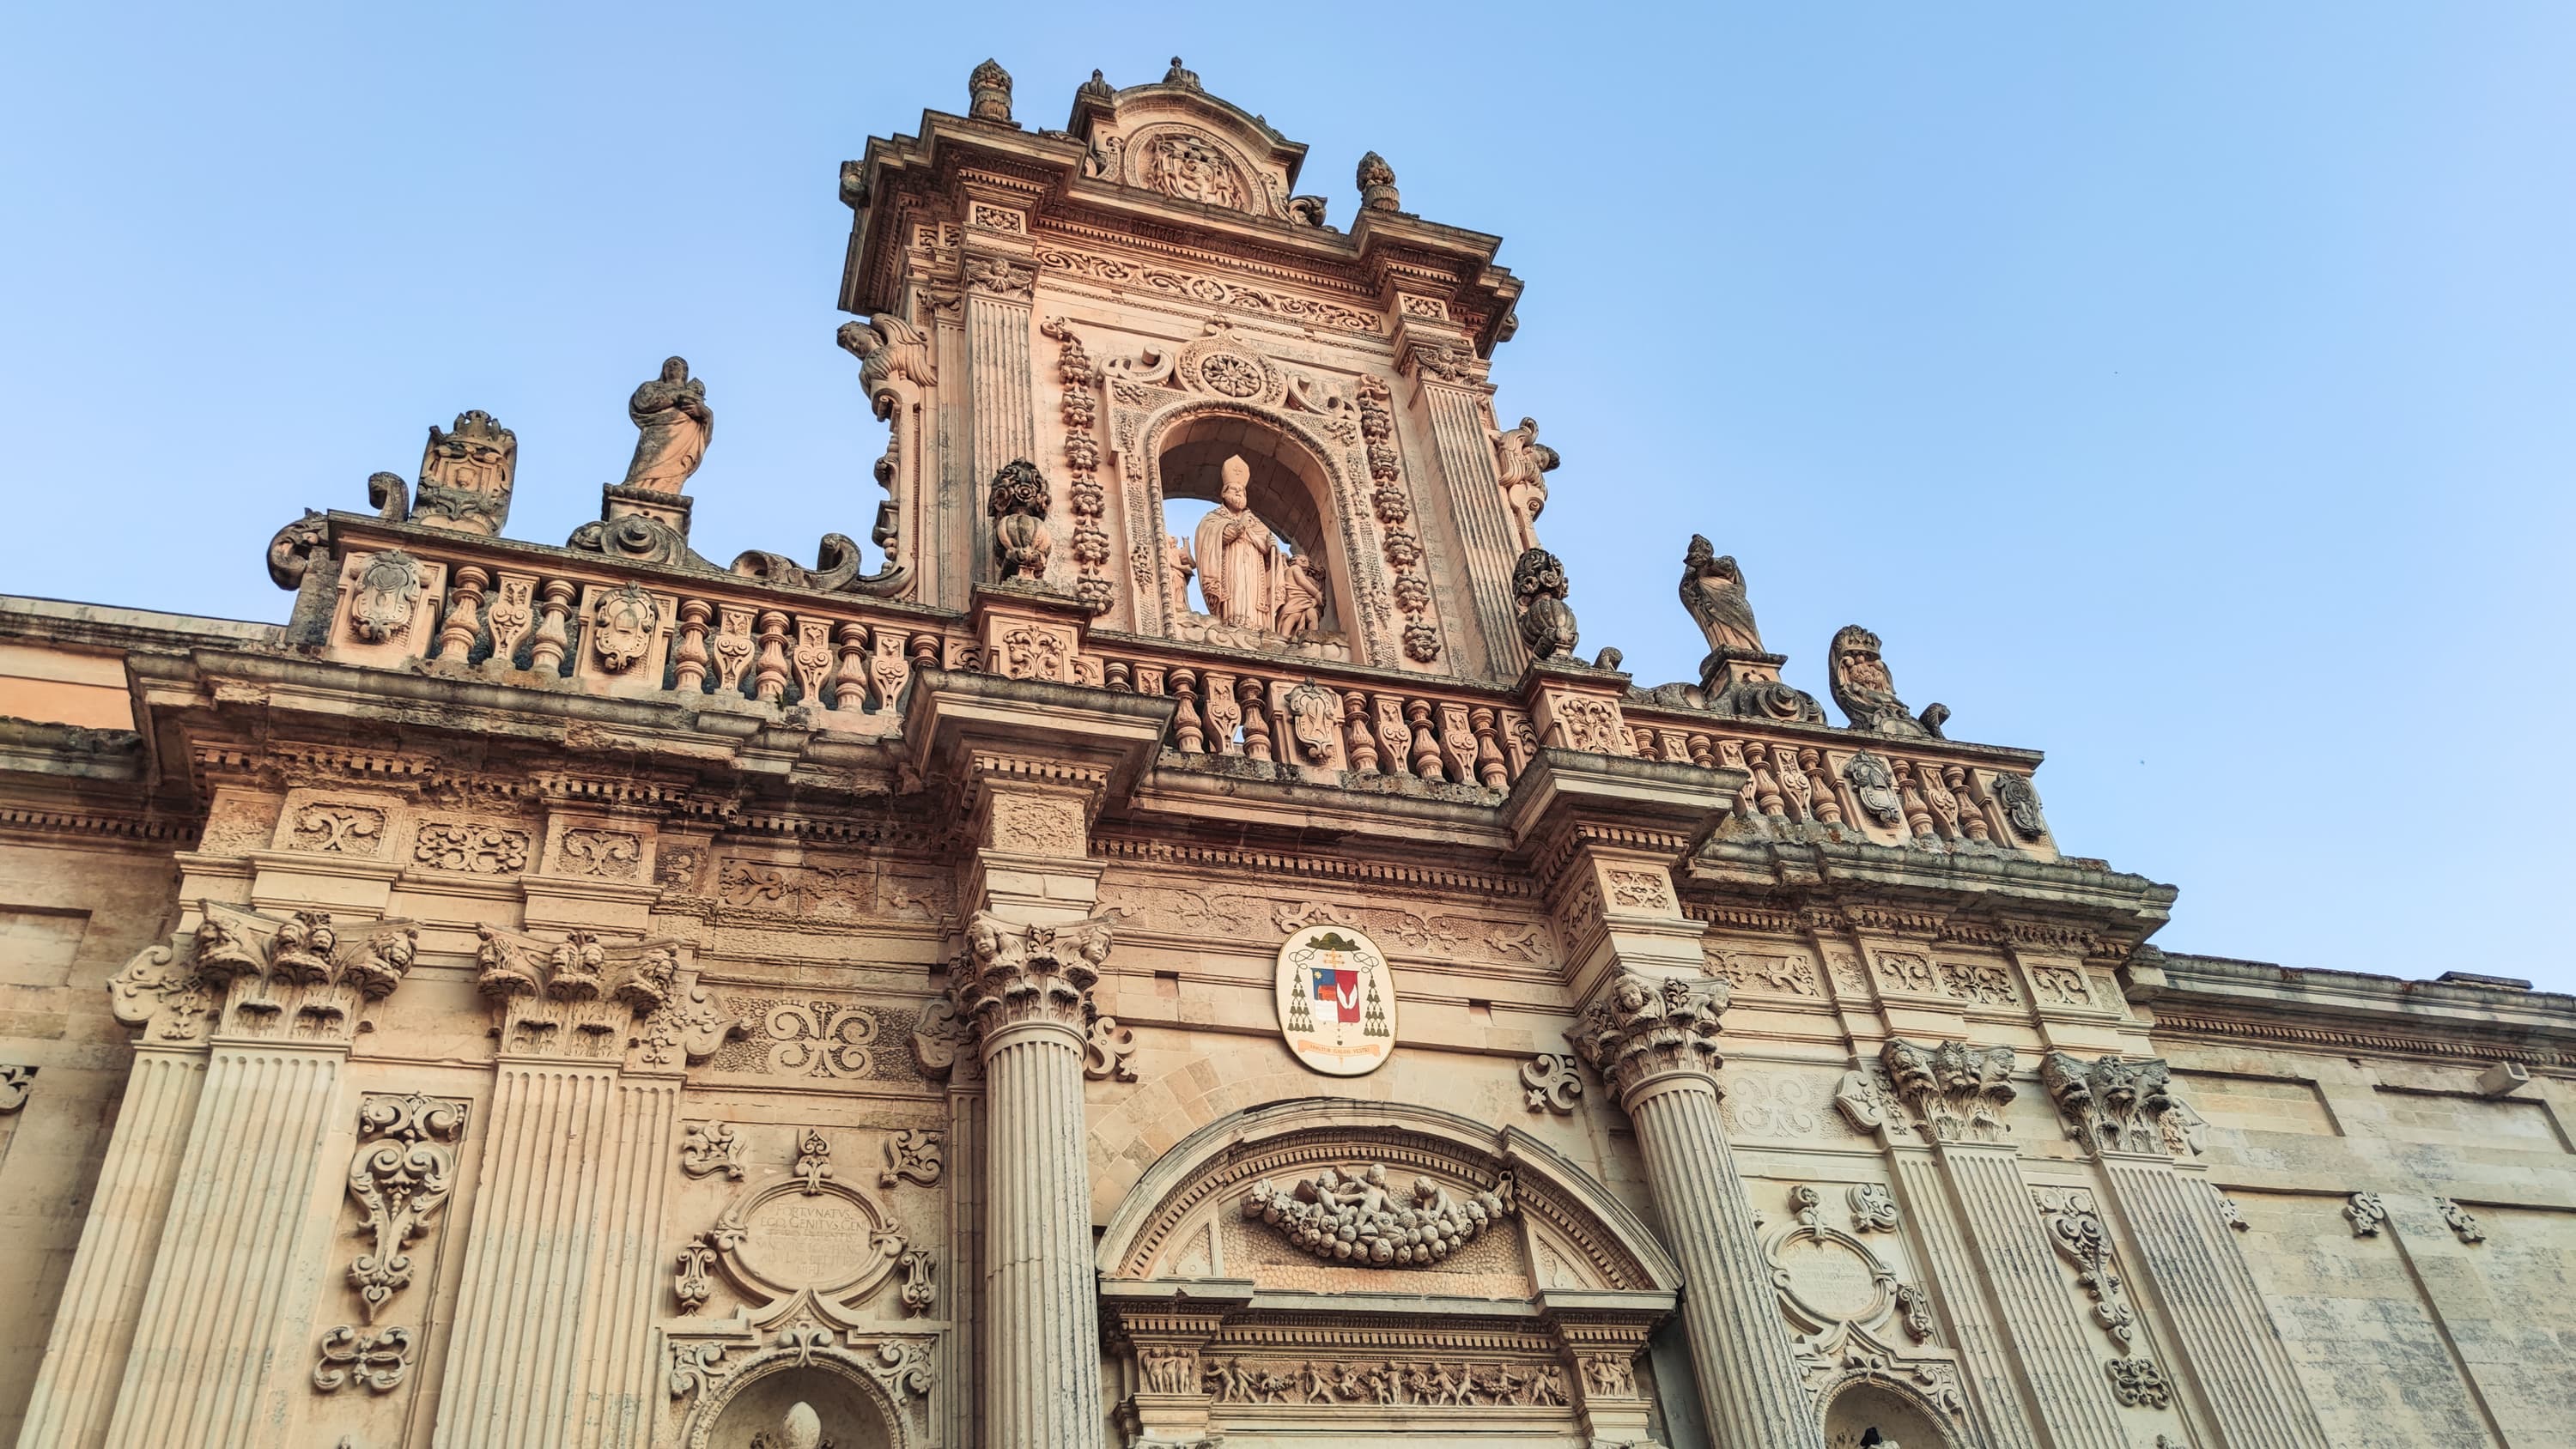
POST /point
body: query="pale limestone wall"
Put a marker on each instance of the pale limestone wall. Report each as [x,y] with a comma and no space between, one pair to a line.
[71,913]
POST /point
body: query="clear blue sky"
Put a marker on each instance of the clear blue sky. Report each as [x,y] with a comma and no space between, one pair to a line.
[2187,390]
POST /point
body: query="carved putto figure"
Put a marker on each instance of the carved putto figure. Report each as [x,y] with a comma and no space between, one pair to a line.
[1351,1216]
[1868,695]
[1018,505]
[1301,594]
[1521,466]
[1178,569]
[1713,591]
[671,413]
[1238,557]
[1539,587]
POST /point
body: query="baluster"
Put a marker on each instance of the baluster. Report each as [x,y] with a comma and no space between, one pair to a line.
[1918,815]
[689,666]
[1795,787]
[1363,740]
[1255,694]
[1426,750]
[1489,752]
[464,614]
[1766,787]
[769,676]
[1828,801]
[1703,752]
[1971,818]
[1117,677]
[554,634]
[850,681]
[1641,742]
[1185,717]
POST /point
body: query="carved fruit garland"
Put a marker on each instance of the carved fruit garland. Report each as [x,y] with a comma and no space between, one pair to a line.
[1082,462]
[1394,507]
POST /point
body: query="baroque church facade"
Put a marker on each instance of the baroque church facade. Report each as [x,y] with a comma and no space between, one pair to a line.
[1093,979]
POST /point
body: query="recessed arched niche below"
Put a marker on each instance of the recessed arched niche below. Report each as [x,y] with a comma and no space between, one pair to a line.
[1267,568]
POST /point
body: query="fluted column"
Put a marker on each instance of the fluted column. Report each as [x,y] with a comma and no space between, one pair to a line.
[1654,1041]
[1958,1094]
[210,1365]
[1026,991]
[2224,1341]
[1000,375]
[103,1296]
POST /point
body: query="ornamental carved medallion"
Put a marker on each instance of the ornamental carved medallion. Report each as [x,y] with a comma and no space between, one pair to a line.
[1336,1001]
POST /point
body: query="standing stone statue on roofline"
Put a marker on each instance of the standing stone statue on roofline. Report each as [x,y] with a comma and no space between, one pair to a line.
[1738,677]
[675,425]
[1867,694]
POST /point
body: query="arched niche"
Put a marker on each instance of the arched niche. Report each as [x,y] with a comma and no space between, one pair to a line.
[1866,1412]
[1295,488]
[1571,1231]
[853,1407]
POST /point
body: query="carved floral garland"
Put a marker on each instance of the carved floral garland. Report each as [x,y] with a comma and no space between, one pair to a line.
[1081,461]
[1349,1215]
[1394,508]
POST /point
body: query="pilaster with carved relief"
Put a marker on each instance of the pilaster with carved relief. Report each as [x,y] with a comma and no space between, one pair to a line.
[1955,1095]
[2141,1132]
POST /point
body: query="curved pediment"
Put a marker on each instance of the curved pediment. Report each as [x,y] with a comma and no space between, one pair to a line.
[1259,1195]
[1173,138]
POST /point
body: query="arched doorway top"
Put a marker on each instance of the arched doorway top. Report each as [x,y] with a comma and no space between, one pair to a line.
[1224,1158]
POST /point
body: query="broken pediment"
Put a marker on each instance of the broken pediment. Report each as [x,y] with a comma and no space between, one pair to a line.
[1174,138]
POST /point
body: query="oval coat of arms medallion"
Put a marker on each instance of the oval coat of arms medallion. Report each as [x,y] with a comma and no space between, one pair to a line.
[1336,1001]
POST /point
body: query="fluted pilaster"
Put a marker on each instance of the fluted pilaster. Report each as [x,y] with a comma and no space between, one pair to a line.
[209,1365]
[619,1378]
[1961,1289]
[102,1298]
[1466,453]
[2067,1385]
[1001,380]
[2126,1114]
[1654,1041]
[513,1363]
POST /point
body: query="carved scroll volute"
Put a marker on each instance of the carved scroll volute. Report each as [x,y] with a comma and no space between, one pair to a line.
[399,1179]
[1013,975]
[1642,1032]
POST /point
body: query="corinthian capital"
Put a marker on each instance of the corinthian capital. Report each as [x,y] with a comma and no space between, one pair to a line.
[2114,1105]
[1957,1091]
[1642,1030]
[1013,973]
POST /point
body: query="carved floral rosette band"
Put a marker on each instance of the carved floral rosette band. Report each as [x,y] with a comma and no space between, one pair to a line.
[1350,1215]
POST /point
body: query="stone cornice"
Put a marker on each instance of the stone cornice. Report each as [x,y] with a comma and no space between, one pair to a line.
[2201,996]
[1961,894]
